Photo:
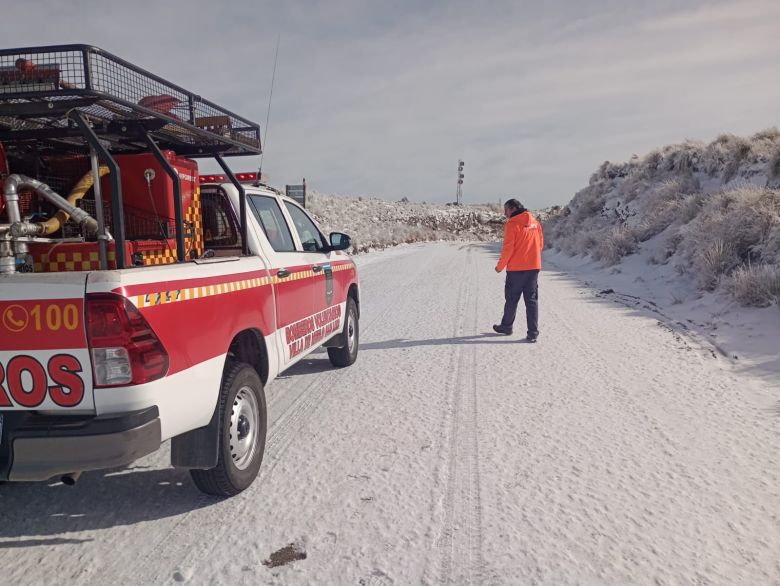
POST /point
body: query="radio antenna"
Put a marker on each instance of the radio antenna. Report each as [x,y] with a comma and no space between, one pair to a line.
[268,113]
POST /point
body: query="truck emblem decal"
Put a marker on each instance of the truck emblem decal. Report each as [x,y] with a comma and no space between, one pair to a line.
[328,284]
[15,318]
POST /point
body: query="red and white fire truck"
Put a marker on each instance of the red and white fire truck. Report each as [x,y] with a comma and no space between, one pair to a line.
[139,300]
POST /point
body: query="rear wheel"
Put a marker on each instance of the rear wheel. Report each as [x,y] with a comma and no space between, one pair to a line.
[242,431]
[347,354]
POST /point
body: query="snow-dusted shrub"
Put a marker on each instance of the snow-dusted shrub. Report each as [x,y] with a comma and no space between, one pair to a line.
[374,223]
[720,152]
[764,144]
[660,210]
[734,227]
[634,185]
[684,158]
[712,261]
[584,242]
[586,203]
[773,169]
[768,134]
[619,242]
[740,150]
[663,206]
[769,250]
[756,285]
[652,162]
[690,207]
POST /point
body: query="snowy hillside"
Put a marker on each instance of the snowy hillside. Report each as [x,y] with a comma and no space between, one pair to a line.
[705,216]
[374,223]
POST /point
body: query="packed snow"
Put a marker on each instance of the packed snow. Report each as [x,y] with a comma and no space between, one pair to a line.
[619,449]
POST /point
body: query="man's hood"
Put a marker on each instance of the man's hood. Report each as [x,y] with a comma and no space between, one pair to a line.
[521,219]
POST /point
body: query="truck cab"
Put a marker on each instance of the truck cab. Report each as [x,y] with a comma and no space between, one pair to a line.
[310,270]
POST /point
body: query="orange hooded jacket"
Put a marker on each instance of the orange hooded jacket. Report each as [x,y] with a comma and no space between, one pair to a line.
[523,243]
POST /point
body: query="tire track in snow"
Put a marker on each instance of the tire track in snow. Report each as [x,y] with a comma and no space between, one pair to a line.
[181,552]
[459,540]
[468,544]
[281,434]
[284,430]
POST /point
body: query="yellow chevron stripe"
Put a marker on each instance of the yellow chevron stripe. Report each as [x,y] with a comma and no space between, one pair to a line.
[176,295]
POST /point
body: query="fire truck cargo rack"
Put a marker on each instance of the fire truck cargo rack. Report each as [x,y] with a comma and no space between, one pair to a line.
[72,98]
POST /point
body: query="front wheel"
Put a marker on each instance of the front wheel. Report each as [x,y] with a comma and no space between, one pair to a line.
[347,354]
[242,430]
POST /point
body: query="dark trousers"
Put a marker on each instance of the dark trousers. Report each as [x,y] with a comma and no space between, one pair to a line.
[525,284]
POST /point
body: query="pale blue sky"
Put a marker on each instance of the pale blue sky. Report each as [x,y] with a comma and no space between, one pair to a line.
[382,98]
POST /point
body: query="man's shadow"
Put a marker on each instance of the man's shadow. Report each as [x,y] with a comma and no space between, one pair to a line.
[485,338]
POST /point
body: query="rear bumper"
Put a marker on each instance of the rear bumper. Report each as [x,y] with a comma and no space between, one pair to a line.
[37,447]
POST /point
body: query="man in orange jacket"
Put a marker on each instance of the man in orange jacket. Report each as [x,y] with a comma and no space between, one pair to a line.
[521,256]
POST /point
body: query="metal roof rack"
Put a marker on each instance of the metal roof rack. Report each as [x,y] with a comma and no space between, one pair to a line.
[42,87]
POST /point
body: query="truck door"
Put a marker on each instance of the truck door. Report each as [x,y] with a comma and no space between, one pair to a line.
[292,278]
[314,246]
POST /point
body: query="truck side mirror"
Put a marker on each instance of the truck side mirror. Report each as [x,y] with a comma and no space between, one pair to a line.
[339,241]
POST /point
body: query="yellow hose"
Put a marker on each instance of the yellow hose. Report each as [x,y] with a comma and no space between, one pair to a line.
[51,225]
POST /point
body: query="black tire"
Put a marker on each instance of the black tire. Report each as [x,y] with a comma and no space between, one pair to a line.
[347,354]
[242,410]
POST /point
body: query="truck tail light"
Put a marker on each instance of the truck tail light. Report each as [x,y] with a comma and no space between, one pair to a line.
[125,350]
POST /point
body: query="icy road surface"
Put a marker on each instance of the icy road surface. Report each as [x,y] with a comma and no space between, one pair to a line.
[615,451]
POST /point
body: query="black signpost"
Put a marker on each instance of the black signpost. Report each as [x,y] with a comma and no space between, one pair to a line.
[459,191]
[297,192]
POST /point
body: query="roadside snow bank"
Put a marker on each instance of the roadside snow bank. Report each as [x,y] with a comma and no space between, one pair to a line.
[375,224]
[707,215]
[745,336]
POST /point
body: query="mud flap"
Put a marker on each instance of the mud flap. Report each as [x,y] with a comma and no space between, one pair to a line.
[199,448]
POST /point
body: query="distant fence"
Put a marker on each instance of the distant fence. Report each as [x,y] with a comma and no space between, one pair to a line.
[297,192]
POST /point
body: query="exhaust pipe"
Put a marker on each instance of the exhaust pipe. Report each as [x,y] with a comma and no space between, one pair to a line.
[70,479]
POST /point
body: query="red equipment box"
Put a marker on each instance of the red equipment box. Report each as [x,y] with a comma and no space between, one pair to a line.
[152,198]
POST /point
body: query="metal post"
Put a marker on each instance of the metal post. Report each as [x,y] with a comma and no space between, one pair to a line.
[191,107]
[177,208]
[459,190]
[117,210]
[101,235]
[241,202]
[87,70]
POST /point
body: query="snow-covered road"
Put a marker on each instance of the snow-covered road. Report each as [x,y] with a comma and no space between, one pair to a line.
[614,451]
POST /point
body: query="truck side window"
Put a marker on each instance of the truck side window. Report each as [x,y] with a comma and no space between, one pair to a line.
[311,238]
[268,213]
[220,228]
